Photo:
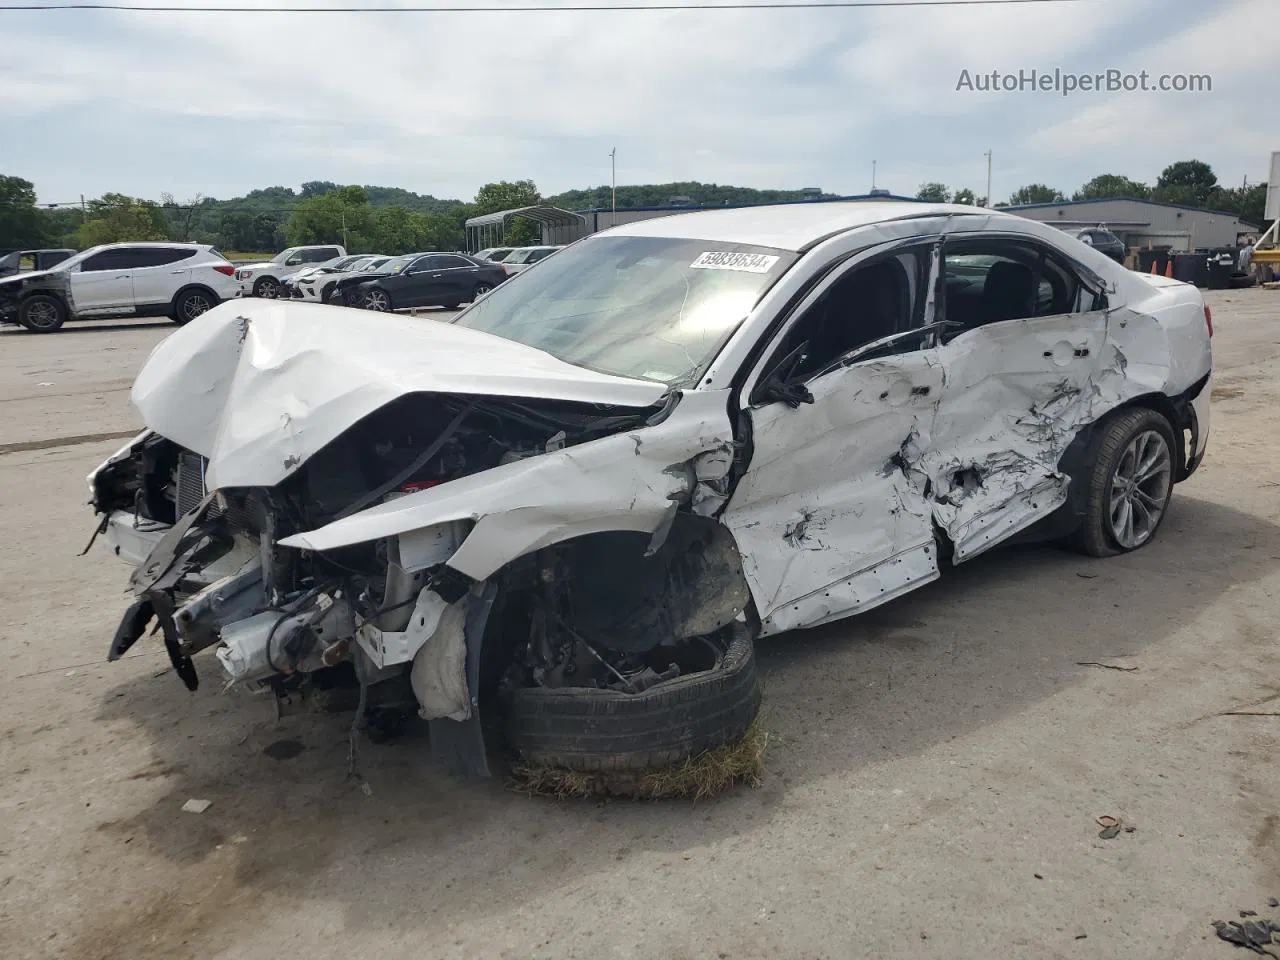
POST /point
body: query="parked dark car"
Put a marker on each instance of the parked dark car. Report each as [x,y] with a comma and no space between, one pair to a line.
[424,280]
[1104,241]
[24,261]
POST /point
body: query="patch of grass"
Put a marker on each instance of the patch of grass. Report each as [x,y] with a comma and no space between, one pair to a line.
[697,778]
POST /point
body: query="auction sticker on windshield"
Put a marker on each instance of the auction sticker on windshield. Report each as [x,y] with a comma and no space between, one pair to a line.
[745,262]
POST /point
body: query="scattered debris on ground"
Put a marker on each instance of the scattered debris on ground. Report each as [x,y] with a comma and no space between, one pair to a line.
[1112,827]
[1255,935]
[697,778]
[196,806]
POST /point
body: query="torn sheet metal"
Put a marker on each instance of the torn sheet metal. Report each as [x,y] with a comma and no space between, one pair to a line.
[259,386]
[628,481]
[832,492]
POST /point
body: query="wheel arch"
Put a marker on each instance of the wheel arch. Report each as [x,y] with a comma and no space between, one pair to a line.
[191,287]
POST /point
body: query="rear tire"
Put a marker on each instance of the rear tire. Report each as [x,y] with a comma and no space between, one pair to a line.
[190,304]
[480,290]
[1131,466]
[582,728]
[41,313]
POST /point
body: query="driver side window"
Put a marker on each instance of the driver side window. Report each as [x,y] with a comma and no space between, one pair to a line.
[871,301]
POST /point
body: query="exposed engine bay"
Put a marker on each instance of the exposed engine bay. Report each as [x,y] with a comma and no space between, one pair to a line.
[610,610]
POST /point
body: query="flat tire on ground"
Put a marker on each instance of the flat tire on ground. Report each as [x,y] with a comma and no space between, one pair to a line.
[607,730]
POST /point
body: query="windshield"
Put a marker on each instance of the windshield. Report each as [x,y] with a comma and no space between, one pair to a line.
[396,264]
[654,308]
[374,264]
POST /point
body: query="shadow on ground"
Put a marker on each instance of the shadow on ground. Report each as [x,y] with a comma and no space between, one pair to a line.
[995,637]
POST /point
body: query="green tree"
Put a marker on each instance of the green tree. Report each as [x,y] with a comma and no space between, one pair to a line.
[397,230]
[506,195]
[934,192]
[1189,182]
[1036,193]
[1247,203]
[116,218]
[317,188]
[341,216]
[21,224]
[1108,185]
[966,197]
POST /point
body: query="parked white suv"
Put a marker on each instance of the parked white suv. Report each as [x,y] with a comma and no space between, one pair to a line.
[175,280]
[263,279]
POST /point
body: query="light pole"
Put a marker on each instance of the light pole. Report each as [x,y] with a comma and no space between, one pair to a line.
[613,174]
[988,155]
[873,176]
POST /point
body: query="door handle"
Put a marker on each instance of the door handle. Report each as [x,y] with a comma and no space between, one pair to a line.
[436,276]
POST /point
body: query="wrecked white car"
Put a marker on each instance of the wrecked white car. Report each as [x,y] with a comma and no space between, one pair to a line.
[560,521]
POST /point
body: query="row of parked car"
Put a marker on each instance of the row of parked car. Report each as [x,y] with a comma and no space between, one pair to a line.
[379,282]
[43,289]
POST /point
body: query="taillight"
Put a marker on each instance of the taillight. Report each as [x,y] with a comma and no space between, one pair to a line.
[226,269]
[1208,320]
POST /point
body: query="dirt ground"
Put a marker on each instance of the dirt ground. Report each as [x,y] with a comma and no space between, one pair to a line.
[934,776]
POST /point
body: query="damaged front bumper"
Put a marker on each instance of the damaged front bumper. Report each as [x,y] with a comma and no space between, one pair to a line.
[381,561]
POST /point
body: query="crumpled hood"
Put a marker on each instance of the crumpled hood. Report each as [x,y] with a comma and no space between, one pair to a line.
[259,386]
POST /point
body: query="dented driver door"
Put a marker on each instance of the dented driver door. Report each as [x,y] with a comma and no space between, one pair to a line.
[1028,338]
[832,516]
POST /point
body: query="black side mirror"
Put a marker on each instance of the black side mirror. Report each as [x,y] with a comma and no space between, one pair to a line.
[778,387]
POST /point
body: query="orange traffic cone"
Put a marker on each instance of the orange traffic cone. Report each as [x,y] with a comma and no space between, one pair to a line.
[1153,267]
[1168,270]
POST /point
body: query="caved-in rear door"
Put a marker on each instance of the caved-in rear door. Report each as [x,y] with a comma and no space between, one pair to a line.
[1018,383]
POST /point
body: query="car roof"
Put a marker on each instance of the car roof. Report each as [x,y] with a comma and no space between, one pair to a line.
[789,226]
[151,243]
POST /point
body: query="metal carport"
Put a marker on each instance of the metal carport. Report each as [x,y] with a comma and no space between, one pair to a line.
[557,226]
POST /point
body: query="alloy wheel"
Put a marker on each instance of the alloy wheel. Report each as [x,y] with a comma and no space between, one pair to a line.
[1140,486]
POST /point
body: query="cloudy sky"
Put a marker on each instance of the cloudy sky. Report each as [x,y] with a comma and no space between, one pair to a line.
[219,103]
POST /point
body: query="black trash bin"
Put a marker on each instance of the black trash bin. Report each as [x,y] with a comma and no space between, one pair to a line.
[1147,257]
[1191,268]
[1220,269]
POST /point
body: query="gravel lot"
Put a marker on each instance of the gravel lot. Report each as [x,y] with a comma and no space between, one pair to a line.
[935,772]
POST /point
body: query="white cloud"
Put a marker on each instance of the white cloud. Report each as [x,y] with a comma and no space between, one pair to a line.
[442,103]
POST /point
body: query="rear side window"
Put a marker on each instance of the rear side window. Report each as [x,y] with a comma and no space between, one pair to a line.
[450,262]
[319,256]
[991,281]
[536,255]
[160,256]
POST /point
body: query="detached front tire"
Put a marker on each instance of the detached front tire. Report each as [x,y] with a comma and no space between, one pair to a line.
[586,729]
[1130,482]
[41,313]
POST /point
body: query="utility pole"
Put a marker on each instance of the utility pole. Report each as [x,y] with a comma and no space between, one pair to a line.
[873,176]
[344,227]
[988,155]
[613,173]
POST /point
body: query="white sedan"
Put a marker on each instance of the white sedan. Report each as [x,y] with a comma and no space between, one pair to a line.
[316,285]
[576,505]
